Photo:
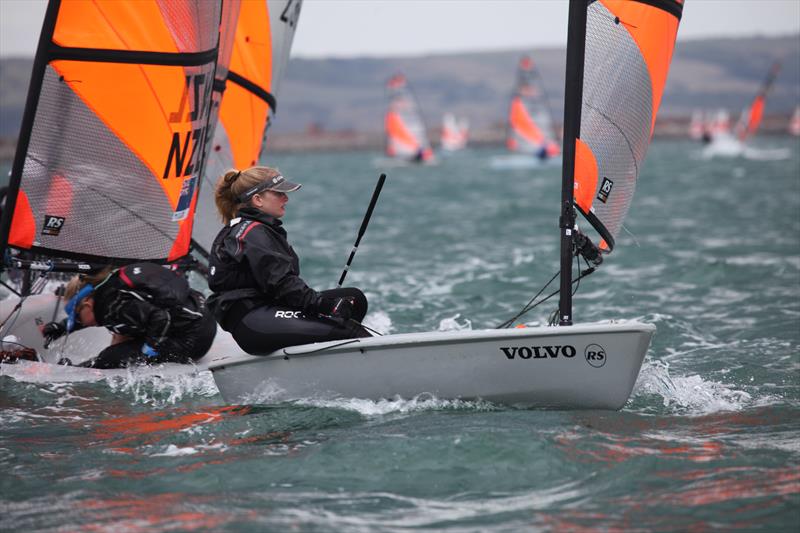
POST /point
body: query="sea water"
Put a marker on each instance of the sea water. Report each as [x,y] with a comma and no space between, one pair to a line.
[710,438]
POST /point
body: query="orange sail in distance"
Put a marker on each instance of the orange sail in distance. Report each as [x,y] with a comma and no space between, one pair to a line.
[751,117]
[406,137]
[530,125]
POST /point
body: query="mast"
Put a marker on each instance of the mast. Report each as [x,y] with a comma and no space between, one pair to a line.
[573,100]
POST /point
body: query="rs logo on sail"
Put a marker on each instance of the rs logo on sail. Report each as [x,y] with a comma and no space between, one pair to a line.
[538,352]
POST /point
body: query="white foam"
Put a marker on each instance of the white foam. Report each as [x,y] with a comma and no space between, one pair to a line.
[397,405]
[379,321]
[174,451]
[164,389]
[451,324]
[690,395]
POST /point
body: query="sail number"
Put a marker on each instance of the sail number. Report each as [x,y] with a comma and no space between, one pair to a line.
[291,12]
[196,96]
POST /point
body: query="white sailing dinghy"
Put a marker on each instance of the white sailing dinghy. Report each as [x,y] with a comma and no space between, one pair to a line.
[455,134]
[406,136]
[725,143]
[531,135]
[97,180]
[609,121]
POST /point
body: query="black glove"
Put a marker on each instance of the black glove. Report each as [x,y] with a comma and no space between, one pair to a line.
[339,308]
[585,247]
[52,331]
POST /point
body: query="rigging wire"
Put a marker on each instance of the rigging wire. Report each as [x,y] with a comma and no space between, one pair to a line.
[530,305]
[37,287]
[527,307]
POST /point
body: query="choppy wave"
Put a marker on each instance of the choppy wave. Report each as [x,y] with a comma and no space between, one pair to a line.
[690,395]
[156,386]
[162,390]
[398,405]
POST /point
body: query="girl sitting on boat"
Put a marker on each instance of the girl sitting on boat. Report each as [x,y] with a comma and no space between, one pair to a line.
[152,313]
[255,274]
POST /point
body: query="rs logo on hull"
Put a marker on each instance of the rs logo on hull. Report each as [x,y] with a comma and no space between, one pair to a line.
[538,352]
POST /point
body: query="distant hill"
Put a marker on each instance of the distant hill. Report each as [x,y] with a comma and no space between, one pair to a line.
[347,94]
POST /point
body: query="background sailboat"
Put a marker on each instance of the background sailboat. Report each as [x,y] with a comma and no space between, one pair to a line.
[455,133]
[406,136]
[586,366]
[751,116]
[734,144]
[530,128]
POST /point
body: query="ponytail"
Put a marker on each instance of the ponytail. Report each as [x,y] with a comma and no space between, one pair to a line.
[233,183]
[224,197]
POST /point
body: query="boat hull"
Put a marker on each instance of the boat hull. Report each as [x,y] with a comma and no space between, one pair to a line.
[590,366]
[22,329]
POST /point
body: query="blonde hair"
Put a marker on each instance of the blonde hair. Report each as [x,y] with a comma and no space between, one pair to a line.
[235,182]
[76,283]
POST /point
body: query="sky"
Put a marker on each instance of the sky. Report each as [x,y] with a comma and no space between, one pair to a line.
[351,28]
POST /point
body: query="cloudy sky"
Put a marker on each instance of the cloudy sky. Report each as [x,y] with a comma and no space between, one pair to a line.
[347,28]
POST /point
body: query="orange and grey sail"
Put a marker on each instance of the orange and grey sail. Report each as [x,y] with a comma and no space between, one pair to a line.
[406,137]
[455,133]
[113,136]
[264,34]
[628,49]
[531,129]
[751,117]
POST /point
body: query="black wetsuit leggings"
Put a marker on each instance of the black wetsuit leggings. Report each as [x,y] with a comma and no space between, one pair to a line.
[183,347]
[266,329]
